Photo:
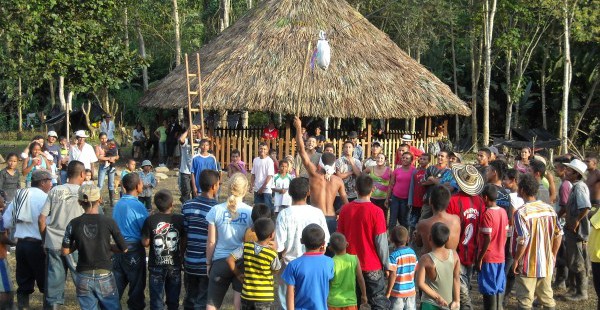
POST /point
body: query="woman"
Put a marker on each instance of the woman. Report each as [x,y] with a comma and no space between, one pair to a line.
[35,161]
[348,169]
[381,175]
[103,168]
[523,163]
[139,139]
[227,224]
[398,191]
[161,134]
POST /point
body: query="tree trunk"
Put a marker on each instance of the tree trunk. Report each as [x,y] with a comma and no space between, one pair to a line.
[588,101]
[142,47]
[517,102]
[177,34]
[455,80]
[225,6]
[567,80]
[475,74]
[249,4]
[490,12]
[126,26]
[543,88]
[509,98]
[20,105]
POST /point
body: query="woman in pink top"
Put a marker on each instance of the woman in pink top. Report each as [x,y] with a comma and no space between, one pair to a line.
[398,191]
[523,163]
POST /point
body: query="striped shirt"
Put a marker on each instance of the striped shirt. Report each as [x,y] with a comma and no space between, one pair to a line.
[536,227]
[259,264]
[404,261]
[195,227]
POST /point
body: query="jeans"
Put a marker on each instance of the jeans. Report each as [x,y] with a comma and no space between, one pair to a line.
[256,305]
[185,186]
[97,290]
[399,211]
[265,198]
[196,290]
[147,201]
[102,172]
[164,281]
[466,272]
[130,269]
[406,303]
[29,269]
[56,276]
[376,285]
[577,261]
[63,176]
[413,219]
[162,152]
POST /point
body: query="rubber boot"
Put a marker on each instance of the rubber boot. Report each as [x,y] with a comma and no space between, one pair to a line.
[581,285]
[500,301]
[111,197]
[22,301]
[489,302]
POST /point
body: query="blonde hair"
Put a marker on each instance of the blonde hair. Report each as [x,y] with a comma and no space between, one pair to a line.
[238,188]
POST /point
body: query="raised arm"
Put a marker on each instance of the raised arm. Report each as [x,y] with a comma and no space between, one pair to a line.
[310,167]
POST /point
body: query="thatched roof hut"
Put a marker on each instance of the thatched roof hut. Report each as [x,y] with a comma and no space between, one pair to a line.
[256,65]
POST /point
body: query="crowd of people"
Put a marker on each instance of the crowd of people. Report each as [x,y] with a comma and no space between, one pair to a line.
[320,232]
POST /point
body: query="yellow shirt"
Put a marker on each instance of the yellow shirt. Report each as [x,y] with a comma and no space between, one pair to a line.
[594,239]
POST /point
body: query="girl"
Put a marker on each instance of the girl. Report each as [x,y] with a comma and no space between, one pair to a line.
[381,174]
[398,191]
[88,178]
[35,161]
[10,179]
[522,164]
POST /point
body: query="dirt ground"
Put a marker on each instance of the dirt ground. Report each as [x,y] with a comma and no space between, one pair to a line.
[171,184]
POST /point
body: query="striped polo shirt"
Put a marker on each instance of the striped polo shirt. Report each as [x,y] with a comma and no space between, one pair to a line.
[404,261]
[195,227]
[259,263]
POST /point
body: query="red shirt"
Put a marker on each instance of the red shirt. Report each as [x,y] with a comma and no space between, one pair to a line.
[361,222]
[469,209]
[418,189]
[269,134]
[494,223]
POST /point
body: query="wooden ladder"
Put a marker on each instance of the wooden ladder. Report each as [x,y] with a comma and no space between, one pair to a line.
[193,96]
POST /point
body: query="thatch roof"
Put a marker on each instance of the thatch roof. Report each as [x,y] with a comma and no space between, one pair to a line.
[256,65]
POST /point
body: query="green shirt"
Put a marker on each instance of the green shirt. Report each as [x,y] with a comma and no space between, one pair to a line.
[163,133]
[342,289]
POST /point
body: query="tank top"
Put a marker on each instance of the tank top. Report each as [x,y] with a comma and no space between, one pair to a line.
[381,183]
[443,282]
[41,165]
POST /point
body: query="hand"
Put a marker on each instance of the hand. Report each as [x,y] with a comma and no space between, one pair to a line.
[515,267]
[478,264]
[240,277]
[208,269]
[364,300]
[283,191]
[35,161]
[386,204]
[195,192]
[454,305]
[261,190]
[297,123]
[441,301]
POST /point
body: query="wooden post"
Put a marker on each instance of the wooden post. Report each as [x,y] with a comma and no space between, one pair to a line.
[369,140]
[424,128]
[429,126]
[326,128]
[287,137]
[200,96]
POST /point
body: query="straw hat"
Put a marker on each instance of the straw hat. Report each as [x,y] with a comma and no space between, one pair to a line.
[578,166]
[468,178]
[89,193]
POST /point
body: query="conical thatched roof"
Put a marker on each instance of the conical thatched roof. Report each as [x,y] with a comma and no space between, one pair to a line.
[256,64]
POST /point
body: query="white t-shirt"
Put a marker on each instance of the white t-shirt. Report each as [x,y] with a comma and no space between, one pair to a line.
[290,223]
[261,169]
[86,155]
[282,182]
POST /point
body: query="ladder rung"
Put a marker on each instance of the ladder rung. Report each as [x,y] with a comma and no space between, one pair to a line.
[192,75]
[194,110]
[193,93]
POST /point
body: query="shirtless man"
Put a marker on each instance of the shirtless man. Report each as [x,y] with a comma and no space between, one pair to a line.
[439,199]
[324,184]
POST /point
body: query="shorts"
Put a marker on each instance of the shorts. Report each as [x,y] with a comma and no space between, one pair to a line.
[220,278]
[491,279]
[5,282]
[342,308]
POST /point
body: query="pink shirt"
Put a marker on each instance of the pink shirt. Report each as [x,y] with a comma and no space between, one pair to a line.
[402,184]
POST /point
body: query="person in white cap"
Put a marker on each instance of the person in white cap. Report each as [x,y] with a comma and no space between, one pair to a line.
[52,147]
[82,151]
[108,126]
[577,228]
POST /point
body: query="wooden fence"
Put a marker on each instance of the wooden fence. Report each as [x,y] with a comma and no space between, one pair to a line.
[256,132]
[248,147]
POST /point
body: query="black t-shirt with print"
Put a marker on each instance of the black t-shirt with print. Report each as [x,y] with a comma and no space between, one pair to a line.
[165,232]
[91,234]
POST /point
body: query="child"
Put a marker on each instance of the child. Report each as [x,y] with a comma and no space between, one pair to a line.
[64,159]
[260,260]
[403,262]
[88,177]
[112,150]
[290,161]
[346,272]
[10,178]
[262,176]
[307,277]
[236,165]
[200,162]
[492,233]
[129,168]
[260,210]
[163,232]
[281,184]
[6,289]
[273,155]
[438,272]
[149,181]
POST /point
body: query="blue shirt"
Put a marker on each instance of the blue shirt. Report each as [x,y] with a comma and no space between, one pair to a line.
[230,233]
[130,214]
[195,226]
[310,275]
[199,163]
[404,260]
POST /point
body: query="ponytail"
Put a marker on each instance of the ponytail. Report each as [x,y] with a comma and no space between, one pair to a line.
[238,187]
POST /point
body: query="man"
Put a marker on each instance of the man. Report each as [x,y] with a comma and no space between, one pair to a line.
[173,132]
[483,160]
[270,133]
[439,174]
[263,171]
[593,176]
[60,208]
[82,151]
[108,126]
[52,147]
[537,236]
[328,148]
[358,149]
[311,151]
[290,223]
[364,226]
[439,199]
[537,169]
[469,207]
[408,140]
[21,215]
[130,268]
[185,168]
[324,184]
[564,191]
[375,151]
[577,228]
[494,153]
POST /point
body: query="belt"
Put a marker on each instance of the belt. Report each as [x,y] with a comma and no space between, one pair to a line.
[96,272]
[30,239]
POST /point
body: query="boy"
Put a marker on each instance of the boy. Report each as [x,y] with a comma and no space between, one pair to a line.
[307,277]
[129,168]
[281,185]
[165,230]
[259,210]
[490,261]
[90,234]
[236,165]
[273,155]
[147,177]
[201,162]
[403,261]
[438,272]
[346,272]
[262,175]
[259,262]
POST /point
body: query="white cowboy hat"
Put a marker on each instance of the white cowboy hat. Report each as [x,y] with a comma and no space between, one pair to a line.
[468,178]
[81,134]
[406,138]
[578,166]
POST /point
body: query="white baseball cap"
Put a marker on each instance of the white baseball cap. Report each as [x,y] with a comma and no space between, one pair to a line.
[81,134]
[52,133]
